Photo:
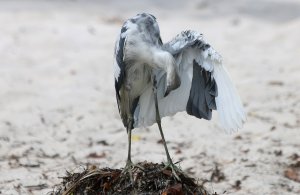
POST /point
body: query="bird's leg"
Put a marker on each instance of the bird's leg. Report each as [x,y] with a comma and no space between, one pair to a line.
[129,129]
[129,165]
[158,121]
[128,121]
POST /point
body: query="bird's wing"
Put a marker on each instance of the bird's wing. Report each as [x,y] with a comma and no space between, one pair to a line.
[205,85]
[119,64]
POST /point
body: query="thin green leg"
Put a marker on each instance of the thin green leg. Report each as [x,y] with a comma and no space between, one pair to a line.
[158,120]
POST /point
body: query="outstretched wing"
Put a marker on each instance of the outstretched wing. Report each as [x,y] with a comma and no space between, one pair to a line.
[205,85]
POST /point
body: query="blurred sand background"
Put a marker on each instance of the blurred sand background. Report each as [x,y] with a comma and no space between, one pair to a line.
[57,102]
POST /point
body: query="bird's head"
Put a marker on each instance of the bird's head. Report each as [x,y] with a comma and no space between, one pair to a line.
[145,18]
[147,23]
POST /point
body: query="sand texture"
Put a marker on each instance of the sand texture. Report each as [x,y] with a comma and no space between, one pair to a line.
[58,109]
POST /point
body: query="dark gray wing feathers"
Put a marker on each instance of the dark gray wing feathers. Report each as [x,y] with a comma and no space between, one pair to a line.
[119,58]
[203,92]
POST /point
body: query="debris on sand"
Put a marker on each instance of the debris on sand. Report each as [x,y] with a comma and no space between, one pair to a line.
[293,170]
[152,179]
[217,175]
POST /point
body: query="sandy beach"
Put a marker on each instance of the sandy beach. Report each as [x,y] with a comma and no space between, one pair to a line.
[58,110]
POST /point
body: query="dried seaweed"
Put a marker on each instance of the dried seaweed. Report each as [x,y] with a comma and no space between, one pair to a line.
[152,179]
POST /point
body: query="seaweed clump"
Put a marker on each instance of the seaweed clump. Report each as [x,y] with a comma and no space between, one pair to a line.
[152,179]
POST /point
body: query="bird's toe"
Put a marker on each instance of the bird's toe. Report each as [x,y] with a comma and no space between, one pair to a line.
[176,171]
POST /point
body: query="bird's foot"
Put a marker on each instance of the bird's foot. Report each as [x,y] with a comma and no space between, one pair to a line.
[129,167]
[175,170]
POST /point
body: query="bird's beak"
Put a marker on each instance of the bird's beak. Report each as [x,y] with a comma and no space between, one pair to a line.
[176,83]
[167,91]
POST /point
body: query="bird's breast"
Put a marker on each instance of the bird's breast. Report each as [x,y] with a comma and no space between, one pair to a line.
[138,77]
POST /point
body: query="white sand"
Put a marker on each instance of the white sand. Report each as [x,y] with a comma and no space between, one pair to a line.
[57,99]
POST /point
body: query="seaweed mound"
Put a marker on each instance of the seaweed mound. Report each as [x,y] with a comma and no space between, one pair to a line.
[152,179]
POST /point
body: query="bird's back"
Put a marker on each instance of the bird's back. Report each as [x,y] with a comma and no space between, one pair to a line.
[132,74]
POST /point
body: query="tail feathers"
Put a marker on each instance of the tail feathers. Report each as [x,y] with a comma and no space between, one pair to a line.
[229,106]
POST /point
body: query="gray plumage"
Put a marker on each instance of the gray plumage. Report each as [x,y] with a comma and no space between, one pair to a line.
[135,52]
[188,72]
[201,104]
[153,80]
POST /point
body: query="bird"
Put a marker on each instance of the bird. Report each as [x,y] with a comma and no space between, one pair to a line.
[155,79]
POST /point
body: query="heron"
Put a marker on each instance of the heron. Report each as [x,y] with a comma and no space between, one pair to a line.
[155,79]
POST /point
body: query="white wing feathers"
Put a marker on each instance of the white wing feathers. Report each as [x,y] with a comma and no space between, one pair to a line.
[185,48]
[229,107]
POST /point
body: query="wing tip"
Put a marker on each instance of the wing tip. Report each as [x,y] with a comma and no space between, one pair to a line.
[234,126]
